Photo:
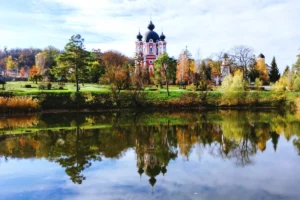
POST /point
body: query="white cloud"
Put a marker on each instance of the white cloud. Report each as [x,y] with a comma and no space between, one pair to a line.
[268,26]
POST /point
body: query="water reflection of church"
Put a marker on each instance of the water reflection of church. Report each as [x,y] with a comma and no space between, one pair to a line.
[148,162]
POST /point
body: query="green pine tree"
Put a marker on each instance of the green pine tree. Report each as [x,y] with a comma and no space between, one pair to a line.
[74,59]
[296,66]
[274,74]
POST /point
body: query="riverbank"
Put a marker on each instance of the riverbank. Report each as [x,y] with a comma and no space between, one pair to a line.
[52,101]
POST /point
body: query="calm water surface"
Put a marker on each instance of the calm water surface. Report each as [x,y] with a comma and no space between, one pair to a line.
[211,155]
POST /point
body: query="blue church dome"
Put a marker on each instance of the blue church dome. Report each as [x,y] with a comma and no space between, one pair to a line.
[151,34]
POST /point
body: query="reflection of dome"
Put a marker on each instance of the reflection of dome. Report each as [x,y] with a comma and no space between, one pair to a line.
[151,34]
[140,171]
[153,171]
[152,181]
[163,170]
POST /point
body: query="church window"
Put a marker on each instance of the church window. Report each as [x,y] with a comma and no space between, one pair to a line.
[150,49]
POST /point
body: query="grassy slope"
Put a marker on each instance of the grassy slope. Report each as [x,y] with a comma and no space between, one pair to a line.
[158,97]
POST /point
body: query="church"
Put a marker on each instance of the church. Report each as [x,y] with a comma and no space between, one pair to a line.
[150,47]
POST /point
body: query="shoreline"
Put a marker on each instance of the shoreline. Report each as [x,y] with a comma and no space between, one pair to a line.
[144,109]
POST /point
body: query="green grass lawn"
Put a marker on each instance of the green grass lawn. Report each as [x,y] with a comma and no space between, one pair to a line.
[19,87]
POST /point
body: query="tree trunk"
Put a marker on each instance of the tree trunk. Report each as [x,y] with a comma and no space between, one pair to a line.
[77,84]
[167,82]
[76,79]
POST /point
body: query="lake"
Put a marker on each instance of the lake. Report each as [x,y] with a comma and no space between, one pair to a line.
[155,155]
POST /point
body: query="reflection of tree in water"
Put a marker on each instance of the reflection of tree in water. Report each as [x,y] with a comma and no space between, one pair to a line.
[233,136]
[75,154]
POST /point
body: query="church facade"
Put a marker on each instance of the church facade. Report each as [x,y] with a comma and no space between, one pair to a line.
[149,47]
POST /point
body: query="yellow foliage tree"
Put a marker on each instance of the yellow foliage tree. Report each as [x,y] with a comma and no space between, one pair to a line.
[183,68]
[261,67]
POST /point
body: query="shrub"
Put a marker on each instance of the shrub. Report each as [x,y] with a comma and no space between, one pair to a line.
[232,89]
[42,87]
[49,86]
[258,83]
[61,88]
[28,86]
[297,84]
[19,103]
[280,85]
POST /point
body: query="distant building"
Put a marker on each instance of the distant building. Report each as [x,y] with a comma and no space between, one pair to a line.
[226,66]
[150,47]
[216,76]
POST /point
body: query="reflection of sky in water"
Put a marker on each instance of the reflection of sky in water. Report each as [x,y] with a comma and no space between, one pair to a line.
[273,175]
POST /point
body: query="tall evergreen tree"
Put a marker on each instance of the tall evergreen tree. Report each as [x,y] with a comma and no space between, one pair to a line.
[74,58]
[275,138]
[296,66]
[274,74]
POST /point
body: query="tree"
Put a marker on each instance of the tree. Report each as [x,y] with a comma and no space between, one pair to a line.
[172,69]
[113,59]
[274,74]
[51,54]
[35,74]
[204,75]
[296,66]
[183,67]
[286,70]
[74,58]
[40,61]
[162,69]
[261,67]
[258,83]
[215,62]
[231,87]
[253,75]
[116,77]
[242,57]
[11,64]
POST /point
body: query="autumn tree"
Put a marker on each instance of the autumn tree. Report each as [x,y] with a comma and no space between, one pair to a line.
[215,62]
[10,64]
[74,59]
[113,58]
[261,67]
[35,74]
[116,77]
[274,72]
[183,67]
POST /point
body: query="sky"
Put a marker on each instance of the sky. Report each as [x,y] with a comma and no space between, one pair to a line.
[205,27]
